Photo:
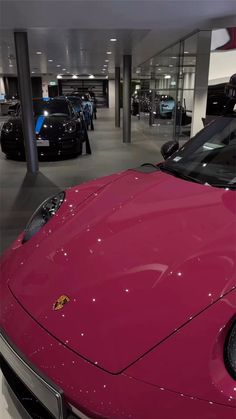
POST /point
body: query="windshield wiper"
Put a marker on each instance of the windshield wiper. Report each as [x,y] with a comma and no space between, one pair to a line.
[179,174]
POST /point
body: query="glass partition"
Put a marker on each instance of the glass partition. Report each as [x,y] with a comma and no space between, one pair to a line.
[164,105]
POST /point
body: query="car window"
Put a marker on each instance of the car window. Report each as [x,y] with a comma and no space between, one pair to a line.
[210,157]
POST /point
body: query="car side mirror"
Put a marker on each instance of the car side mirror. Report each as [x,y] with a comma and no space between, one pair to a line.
[169,148]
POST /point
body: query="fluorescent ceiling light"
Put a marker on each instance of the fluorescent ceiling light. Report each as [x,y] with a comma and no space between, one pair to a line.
[39,53]
[50,61]
[91,76]
[186,52]
[10,65]
[109,52]
[113,39]
[64,69]
[170,65]
[74,76]
[58,65]
[59,76]
[106,61]
[167,76]
[32,72]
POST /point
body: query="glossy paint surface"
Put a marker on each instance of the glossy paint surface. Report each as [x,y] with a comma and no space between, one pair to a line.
[96,392]
[138,260]
[148,262]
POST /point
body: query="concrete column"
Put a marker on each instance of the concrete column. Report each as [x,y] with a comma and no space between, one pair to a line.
[201,81]
[127,66]
[23,70]
[117,96]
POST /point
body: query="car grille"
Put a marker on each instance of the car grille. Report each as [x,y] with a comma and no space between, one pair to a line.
[29,402]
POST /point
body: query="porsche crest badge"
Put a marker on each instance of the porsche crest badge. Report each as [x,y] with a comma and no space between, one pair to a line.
[61,302]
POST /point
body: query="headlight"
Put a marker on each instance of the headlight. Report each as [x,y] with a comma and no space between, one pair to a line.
[42,215]
[70,127]
[230,351]
[7,127]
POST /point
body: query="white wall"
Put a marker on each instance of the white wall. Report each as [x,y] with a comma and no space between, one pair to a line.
[222,66]
[188,93]
[111,93]
[2,88]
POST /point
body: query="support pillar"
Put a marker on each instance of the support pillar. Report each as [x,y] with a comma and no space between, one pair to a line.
[117,96]
[127,66]
[24,80]
[201,81]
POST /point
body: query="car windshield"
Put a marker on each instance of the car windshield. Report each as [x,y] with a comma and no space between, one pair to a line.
[209,157]
[51,107]
[76,102]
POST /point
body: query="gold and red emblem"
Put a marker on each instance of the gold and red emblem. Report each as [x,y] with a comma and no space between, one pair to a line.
[61,302]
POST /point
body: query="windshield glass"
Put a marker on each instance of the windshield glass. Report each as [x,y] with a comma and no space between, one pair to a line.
[209,157]
[76,102]
[50,107]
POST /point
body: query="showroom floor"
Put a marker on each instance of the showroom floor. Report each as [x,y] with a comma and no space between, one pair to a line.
[21,193]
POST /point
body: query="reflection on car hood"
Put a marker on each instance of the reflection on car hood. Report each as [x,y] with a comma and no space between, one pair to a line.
[44,126]
[137,259]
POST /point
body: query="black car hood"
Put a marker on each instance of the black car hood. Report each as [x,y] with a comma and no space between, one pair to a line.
[45,126]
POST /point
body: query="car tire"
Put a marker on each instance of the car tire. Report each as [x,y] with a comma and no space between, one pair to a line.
[79,148]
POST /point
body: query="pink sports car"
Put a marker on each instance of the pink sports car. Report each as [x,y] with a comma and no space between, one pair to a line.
[118,300]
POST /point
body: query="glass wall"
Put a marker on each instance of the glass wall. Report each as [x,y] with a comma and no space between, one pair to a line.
[164,102]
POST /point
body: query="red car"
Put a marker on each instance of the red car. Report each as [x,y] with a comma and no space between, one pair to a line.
[118,300]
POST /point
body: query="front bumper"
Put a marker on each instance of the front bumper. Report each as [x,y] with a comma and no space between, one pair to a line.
[11,146]
[37,396]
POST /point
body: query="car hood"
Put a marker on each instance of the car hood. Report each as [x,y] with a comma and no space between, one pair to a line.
[44,126]
[137,259]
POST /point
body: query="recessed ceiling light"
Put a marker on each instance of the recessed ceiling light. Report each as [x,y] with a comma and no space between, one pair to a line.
[105,65]
[159,69]
[174,57]
[64,69]
[58,65]
[109,52]
[167,76]
[68,72]
[170,65]
[10,65]
[186,52]
[113,39]
[39,53]
[50,61]
[106,61]
[32,72]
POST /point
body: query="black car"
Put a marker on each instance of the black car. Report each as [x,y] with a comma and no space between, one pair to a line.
[58,130]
